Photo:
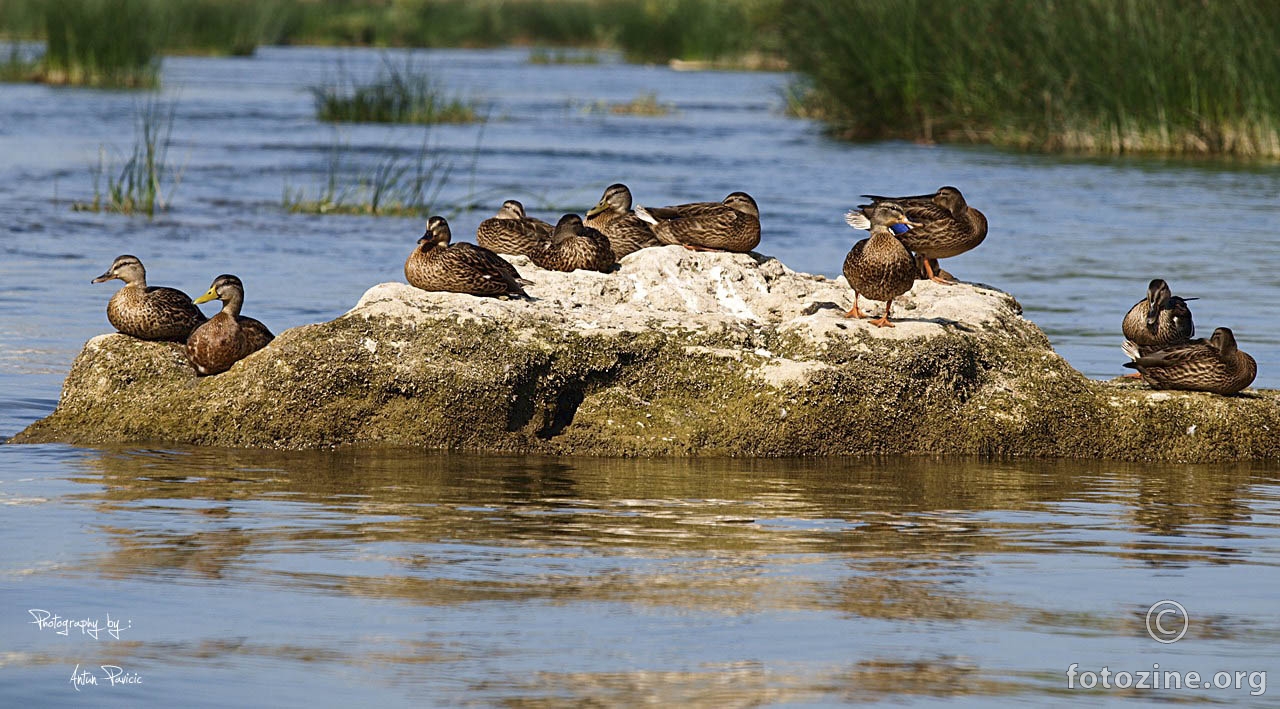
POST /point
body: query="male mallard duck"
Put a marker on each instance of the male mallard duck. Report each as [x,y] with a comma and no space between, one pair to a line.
[730,225]
[1160,320]
[228,337]
[1215,366]
[575,246]
[880,267]
[612,216]
[148,312]
[437,265]
[948,226]
[511,232]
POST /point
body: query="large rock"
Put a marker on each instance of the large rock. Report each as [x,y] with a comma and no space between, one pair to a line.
[678,353]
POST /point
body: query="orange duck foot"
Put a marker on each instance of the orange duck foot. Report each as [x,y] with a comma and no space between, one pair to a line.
[883,321]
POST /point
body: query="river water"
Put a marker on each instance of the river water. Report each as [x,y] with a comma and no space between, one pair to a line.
[304,579]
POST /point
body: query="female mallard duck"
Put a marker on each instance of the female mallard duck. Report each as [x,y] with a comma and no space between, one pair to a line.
[730,225]
[1215,366]
[1160,320]
[612,216]
[437,265]
[228,337]
[948,226]
[511,232]
[880,267]
[575,246]
[148,312]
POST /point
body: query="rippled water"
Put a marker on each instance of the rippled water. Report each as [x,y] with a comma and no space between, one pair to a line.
[397,577]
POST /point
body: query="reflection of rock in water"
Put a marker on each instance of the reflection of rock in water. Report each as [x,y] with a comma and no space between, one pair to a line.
[677,353]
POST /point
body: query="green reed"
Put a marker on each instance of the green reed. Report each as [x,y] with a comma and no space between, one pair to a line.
[398,94]
[110,43]
[1104,76]
[401,184]
[138,186]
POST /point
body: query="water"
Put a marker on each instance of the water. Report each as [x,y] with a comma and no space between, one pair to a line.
[400,577]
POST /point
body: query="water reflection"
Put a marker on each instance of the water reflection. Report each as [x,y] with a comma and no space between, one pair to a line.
[532,581]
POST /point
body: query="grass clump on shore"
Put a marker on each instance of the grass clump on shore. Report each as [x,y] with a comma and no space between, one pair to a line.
[645,104]
[104,43]
[1096,76]
[138,187]
[395,95]
[398,185]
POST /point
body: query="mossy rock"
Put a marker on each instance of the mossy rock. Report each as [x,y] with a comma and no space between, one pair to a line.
[678,353]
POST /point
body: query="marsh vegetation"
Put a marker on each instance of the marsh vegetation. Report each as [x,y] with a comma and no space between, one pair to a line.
[145,181]
[1096,76]
[397,94]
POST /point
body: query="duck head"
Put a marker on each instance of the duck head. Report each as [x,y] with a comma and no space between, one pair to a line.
[1224,341]
[511,209]
[889,214]
[950,199]
[1158,294]
[127,268]
[226,288]
[437,234]
[569,226]
[742,202]
[616,198]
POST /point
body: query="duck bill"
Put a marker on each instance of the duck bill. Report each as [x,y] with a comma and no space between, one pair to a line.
[103,278]
[600,207]
[208,296]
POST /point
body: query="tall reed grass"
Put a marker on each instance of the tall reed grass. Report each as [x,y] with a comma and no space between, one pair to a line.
[398,94]
[139,185]
[110,43]
[1097,76]
[400,184]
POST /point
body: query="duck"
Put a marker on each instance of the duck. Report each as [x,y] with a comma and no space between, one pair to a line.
[879,267]
[612,216]
[576,246]
[227,337]
[148,312]
[437,265]
[732,224]
[948,226]
[1160,320]
[512,232]
[1216,365]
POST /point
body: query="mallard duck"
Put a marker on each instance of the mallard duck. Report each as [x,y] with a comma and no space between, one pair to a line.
[948,226]
[730,225]
[1160,320]
[228,337]
[575,246]
[511,232]
[1215,366]
[612,216]
[148,312]
[437,265]
[879,267]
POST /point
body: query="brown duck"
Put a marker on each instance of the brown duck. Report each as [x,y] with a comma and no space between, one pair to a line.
[1217,365]
[730,225]
[948,226]
[880,267]
[148,312]
[228,337]
[437,265]
[1158,321]
[612,216]
[574,246]
[511,232]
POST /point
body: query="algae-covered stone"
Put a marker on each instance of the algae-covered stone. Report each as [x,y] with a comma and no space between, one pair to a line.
[677,353]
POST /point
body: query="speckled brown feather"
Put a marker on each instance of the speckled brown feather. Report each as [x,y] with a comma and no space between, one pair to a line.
[574,246]
[227,337]
[1173,327]
[880,267]
[942,233]
[708,225]
[1199,365]
[153,313]
[462,268]
[626,232]
[513,236]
